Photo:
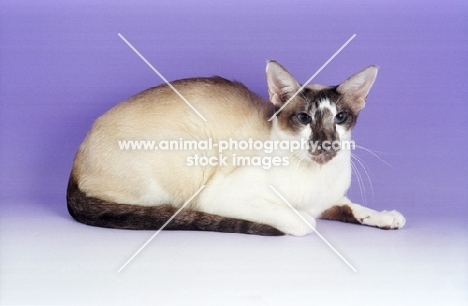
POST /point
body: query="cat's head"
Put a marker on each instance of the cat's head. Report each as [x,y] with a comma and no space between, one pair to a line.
[324,115]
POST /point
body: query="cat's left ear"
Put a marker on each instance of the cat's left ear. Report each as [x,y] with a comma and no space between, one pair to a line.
[356,88]
[281,84]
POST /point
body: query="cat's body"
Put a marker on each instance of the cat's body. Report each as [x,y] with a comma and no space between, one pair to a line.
[142,189]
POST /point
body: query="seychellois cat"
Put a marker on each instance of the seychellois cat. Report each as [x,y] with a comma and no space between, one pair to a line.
[116,187]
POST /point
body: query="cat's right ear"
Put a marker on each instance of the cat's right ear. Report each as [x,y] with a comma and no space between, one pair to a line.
[281,84]
[357,87]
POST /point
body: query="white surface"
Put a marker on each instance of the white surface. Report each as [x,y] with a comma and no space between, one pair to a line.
[54,260]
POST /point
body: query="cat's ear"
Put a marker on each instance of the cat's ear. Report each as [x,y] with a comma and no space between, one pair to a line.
[356,88]
[281,84]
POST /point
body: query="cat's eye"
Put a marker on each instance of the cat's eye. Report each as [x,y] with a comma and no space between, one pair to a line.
[304,118]
[341,117]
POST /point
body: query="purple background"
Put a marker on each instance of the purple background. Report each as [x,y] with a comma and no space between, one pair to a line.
[63,65]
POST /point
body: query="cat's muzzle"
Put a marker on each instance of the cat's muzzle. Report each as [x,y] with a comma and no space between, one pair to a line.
[323,156]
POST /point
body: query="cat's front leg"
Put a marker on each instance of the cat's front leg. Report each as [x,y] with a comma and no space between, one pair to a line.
[346,211]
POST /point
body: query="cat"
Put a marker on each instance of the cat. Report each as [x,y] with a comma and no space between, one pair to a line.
[112,187]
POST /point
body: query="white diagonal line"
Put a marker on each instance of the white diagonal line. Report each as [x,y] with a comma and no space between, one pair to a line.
[162,227]
[313,228]
[312,77]
[161,76]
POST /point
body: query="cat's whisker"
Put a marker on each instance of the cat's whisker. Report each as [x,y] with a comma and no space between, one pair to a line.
[374,154]
[373,151]
[360,182]
[362,163]
[301,156]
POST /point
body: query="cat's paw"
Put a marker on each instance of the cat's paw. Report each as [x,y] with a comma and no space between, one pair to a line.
[392,220]
[297,226]
[385,220]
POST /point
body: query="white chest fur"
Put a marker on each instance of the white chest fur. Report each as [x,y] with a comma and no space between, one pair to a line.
[313,187]
[308,187]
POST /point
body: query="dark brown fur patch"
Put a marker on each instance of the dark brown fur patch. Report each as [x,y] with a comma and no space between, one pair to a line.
[96,212]
[340,213]
[308,101]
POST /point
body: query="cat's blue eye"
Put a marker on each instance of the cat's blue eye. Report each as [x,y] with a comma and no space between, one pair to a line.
[341,117]
[304,118]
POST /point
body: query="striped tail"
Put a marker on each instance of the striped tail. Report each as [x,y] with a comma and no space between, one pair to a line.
[96,212]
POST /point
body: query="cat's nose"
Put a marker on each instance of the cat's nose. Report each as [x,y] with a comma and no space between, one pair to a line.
[323,151]
[322,134]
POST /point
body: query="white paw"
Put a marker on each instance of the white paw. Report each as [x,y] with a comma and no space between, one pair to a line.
[385,219]
[297,226]
[392,219]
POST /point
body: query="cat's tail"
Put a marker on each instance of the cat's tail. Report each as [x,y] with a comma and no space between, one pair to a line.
[96,212]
